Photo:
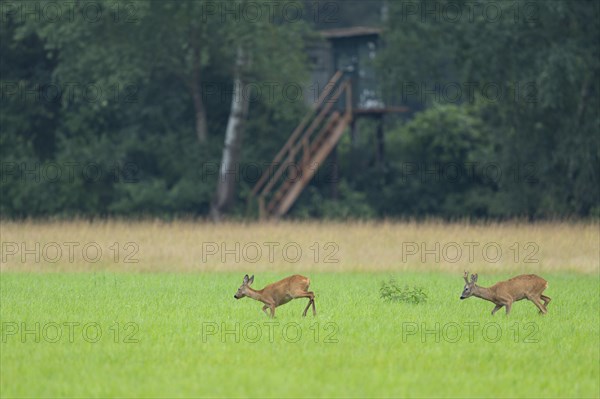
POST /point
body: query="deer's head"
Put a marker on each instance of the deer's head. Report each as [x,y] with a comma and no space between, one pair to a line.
[469,285]
[243,290]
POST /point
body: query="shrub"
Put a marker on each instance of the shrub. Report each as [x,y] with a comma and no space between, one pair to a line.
[392,292]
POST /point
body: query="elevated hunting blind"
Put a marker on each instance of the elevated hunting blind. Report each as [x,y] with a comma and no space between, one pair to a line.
[352,51]
[343,87]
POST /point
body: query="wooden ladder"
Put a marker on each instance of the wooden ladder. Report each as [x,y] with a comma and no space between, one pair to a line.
[305,151]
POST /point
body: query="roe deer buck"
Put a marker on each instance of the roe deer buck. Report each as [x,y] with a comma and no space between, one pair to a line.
[504,293]
[279,293]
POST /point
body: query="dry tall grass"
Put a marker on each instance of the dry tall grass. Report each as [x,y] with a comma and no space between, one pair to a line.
[383,246]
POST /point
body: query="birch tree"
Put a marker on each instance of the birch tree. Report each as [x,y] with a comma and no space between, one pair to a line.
[266,49]
[233,138]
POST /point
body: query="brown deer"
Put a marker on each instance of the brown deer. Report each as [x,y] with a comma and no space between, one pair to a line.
[504,293]
[279,293]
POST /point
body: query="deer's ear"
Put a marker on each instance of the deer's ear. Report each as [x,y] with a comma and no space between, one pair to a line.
[474,277]
[251,280]
[246,279]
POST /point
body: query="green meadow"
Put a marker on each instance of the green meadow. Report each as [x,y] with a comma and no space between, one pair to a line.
[106,334]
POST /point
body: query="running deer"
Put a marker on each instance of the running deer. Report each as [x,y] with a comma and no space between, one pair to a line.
[504,293]
[279,293]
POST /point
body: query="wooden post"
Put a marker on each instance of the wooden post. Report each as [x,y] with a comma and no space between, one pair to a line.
[380,144]
[261,208]
[354,133]
[334,174]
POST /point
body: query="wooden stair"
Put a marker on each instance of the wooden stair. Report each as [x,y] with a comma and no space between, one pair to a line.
[305,151]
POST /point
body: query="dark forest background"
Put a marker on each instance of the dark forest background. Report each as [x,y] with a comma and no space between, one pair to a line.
[119,108]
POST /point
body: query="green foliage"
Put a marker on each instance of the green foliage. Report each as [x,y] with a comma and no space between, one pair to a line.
[438,167]
[541,130]
[391,291]
[351,204]
[140,131]
[541,134]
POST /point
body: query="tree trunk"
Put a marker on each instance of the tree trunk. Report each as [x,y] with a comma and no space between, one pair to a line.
[195,86]
[584,94]
[334,174]
[380,143]
[199,111]
[229,171]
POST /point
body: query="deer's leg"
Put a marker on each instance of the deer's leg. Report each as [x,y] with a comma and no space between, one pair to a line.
[508,306]
[546,300]
[311,296]
[537,303]
[312,300]
[272,306]
[265,310]
[497,308]
[306,308]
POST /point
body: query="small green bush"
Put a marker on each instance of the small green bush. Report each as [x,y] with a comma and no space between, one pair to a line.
[392,292]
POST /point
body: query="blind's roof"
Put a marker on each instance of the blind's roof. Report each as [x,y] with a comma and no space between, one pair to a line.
[353,31]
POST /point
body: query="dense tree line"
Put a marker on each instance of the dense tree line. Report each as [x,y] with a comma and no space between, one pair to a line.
[122,108]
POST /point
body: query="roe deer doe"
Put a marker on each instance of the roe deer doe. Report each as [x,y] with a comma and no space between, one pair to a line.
[279,293]
[504,293]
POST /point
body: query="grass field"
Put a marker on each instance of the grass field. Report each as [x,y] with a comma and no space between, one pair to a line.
[168,325]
